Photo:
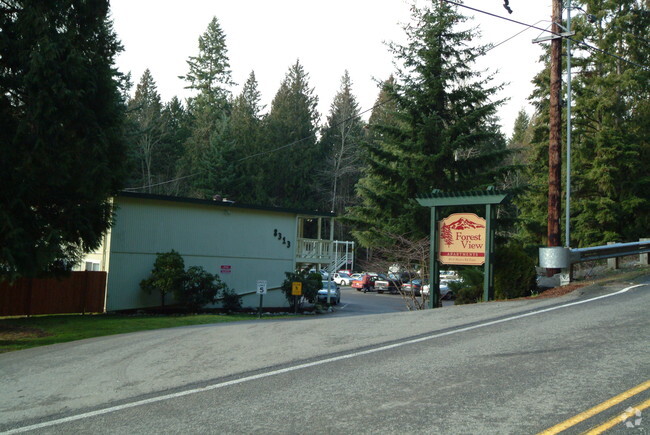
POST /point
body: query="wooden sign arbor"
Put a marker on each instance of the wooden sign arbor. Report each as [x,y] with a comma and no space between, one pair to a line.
[462,238]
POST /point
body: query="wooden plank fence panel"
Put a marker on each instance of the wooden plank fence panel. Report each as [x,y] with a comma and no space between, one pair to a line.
[81,292]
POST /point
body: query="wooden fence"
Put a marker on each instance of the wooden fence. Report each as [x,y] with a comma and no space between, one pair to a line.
[81,292]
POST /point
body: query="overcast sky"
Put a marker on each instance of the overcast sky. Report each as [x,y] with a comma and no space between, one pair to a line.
[327,37]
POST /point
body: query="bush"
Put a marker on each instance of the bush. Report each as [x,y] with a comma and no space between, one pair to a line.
[167,275]
[193,289]
[311,283]
[514,273]
[199,288]
[231,301]
[470,289]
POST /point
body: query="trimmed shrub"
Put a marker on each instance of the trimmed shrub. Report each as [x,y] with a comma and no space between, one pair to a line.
[514,272]
[199,288]
[231,301]
[311,283]
[167,275]
[470,289]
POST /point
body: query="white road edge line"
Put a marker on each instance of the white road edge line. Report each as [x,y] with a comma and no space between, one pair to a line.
[301,366]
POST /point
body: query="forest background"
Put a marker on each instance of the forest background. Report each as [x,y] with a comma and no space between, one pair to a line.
[434,125]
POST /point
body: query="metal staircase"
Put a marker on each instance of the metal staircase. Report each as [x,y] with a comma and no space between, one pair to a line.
[343,256]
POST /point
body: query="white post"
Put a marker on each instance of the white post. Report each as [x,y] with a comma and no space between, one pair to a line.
[613,263]
[643,258]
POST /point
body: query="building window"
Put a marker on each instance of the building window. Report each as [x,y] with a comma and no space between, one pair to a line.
[91,266]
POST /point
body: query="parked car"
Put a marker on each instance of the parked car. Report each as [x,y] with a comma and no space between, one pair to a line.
[334,293]
[322,272]
[366,282]
[413,286]
[390,283]
[342,278]
[446,293]
[356,276]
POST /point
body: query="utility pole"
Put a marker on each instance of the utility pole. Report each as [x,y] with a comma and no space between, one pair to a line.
[554,148]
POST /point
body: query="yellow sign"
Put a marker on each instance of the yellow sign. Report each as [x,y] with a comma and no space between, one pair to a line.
[462,239]
[296,288]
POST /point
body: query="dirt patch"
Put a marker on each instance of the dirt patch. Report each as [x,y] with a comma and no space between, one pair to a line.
[560,291]
[603,278]
[14,333]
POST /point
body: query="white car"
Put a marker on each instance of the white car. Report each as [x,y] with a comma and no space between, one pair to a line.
[324,274]
[334,293]
[341,278]
[445,292]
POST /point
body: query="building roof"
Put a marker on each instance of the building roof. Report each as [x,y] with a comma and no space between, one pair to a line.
[218,202]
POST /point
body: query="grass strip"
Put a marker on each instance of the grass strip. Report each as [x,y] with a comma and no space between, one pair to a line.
[17,333]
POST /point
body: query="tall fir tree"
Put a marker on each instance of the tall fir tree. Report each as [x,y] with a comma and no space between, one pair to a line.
[611,184]
[61,132]
[209,147]
[443,134]
[145,113]
[342,138]
[532,204]
[293,157]
[246,127]
[177,123]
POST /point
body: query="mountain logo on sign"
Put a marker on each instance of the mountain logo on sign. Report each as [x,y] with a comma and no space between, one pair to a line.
[464,224]
[460,225]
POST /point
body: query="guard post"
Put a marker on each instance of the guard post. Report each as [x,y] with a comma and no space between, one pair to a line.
[489,198]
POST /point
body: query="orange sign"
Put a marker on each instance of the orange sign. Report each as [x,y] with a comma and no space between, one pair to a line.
[462,239]
[296,288]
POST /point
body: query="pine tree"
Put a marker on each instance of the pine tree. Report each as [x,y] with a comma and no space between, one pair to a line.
[61,132]
[610,196]
[209,148]
[176,120]
[341,139]
[209,71]
[145,112]
[293,156]
[443,134]
[532,204]
[246,127]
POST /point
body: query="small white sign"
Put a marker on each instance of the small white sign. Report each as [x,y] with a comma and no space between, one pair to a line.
[261,287]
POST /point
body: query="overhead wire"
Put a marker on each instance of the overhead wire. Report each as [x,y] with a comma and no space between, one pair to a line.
[352,117]
[584,44]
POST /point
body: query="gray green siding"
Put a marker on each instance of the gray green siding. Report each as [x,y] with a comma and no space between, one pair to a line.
[206,235]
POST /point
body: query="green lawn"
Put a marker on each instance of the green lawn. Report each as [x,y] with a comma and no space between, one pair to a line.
[18,333]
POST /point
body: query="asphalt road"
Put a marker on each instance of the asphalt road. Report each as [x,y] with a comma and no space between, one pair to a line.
[354,303]
[504,367]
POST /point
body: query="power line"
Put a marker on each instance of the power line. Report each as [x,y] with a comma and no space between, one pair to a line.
[352,117]
[298,141]
[645,67]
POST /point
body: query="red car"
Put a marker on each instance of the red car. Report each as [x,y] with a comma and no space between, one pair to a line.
[367,281]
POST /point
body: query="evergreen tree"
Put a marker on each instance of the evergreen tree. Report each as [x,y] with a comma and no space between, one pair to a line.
[61,132]
[145,112]
[209,71]
[176,120]
[246,127]
[532,204]
[341,139]
[293,156]
[444,133]
[611,184]
[209,147]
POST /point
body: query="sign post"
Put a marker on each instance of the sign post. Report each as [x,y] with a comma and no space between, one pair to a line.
[261,290]
[465,232]
[296,290]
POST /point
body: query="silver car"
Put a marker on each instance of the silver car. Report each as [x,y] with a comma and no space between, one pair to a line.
[334,293]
